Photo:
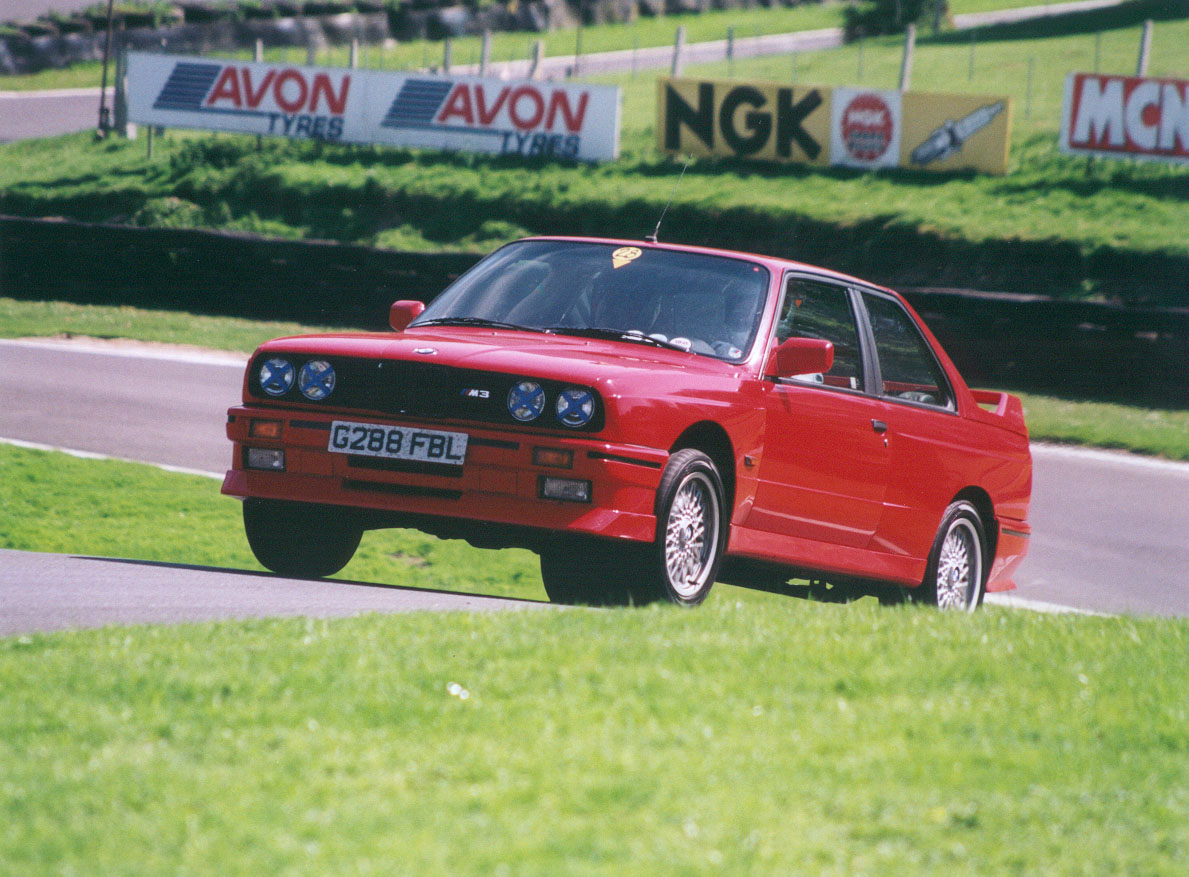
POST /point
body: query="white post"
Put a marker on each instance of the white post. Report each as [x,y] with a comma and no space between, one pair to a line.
[447,55]
[678,48]
[353,63]
[1145,49]
[538,56]
[910,41]
[258,53]
[485,53]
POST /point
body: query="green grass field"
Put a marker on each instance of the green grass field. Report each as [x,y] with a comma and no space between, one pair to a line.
[758,734]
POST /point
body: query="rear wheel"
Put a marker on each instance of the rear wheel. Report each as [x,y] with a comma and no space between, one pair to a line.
[299,539]
[955,576]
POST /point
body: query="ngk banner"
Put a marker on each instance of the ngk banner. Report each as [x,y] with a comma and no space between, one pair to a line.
[373,106]
[1126,117]
[856,127]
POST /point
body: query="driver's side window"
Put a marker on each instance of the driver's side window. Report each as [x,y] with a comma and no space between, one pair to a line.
[813,309]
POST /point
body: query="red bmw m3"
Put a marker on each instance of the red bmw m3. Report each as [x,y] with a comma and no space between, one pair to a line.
[649,418]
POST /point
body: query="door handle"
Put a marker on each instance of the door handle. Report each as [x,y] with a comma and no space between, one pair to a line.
[879,426]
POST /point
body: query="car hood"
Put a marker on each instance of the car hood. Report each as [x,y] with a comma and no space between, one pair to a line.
[587,361]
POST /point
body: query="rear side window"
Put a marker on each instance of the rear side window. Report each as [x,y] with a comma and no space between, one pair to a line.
[907,365]
[813,309]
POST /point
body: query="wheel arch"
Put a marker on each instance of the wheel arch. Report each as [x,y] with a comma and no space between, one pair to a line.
[712,440]
[981,500]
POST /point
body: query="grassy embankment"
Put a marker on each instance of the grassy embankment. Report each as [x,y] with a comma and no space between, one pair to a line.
[757,734]
[1050,205]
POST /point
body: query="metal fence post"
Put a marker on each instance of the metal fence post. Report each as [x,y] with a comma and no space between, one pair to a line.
[447,54]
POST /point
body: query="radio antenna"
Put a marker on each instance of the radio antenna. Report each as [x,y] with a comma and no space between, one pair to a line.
[651,238]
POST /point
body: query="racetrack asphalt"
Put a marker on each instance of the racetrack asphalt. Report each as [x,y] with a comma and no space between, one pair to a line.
[1108,527]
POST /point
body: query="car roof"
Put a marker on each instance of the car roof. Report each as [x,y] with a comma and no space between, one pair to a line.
[774,263]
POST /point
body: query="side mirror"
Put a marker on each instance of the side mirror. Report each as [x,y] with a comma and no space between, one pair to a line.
[404,312]
[802,356]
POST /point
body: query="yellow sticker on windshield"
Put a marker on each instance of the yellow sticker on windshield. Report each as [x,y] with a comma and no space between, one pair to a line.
[624,255]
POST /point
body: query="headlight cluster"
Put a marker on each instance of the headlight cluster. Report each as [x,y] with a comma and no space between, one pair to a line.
[575,406]
[315,379]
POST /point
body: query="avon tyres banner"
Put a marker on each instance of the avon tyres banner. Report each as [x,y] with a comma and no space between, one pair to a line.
[854,127]
[1126,117]
[373,106]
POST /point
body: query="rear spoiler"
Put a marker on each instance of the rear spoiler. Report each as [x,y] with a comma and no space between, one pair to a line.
[1007,409]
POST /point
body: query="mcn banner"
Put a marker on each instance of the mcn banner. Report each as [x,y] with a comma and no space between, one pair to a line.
[373,106]
[1126,117]
[856,127]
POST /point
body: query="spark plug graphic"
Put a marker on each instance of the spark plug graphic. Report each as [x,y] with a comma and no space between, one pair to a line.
[950,136]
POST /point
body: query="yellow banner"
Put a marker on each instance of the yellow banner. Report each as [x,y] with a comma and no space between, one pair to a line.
[950,132]
[856,127]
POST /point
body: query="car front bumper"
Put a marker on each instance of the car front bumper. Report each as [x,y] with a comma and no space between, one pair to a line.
[498,483]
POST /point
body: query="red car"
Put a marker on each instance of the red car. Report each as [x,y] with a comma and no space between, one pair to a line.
[648,418]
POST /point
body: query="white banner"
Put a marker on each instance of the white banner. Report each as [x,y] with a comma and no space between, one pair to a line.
[865,128]
[374,106]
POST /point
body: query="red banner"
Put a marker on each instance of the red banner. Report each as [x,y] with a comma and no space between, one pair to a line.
[1126,116]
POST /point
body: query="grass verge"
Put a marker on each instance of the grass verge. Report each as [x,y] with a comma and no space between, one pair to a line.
[759,735]
[1161,432]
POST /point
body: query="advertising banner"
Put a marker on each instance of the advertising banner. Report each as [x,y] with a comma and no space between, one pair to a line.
[854,127]
[466,113]
[1126,117]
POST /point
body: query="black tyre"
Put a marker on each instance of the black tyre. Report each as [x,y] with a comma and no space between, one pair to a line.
[956,574]
[691,533]
[578,572]
[300,539]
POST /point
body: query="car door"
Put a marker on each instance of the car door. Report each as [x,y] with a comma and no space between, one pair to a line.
[824,466]
[925,433]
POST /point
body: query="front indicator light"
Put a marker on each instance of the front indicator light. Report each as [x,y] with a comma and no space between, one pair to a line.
[265,458]
[575,406]
[265,429]
[565,489]
[316,380]
[555,457]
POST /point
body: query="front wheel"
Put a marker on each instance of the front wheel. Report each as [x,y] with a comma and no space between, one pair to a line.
[955,576]
[691,533]
[298,539]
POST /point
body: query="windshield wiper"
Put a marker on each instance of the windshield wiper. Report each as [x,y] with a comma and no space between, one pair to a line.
[476,321]
[615,335]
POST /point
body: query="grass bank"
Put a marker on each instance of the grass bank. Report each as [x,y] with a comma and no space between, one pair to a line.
[1055,224]
[1142,430]
[755,735]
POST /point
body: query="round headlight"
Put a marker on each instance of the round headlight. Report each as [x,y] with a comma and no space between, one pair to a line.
[316,379]
[575,407]
[526,401]
[276,377]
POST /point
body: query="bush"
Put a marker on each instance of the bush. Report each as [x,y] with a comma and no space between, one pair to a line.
[876,17]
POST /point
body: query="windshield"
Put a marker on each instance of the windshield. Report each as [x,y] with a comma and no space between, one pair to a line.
[704,304]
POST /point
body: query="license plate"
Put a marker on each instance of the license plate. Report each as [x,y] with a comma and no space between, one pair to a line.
[398,442]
